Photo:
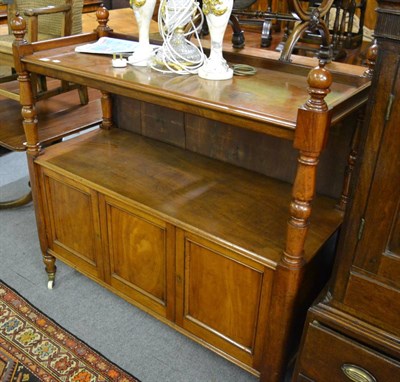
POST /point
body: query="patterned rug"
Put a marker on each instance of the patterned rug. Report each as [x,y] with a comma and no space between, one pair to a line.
[34,348]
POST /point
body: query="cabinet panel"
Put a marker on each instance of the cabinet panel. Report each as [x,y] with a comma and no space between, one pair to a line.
[72,211]
[222,293]
[381,213]
[390,268]
[329,356]
[374,300]
[163,123]
[138,254]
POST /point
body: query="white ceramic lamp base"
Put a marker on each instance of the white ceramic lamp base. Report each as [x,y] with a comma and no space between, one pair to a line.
[217,13]
[141,56]
[215,70]
[143,11]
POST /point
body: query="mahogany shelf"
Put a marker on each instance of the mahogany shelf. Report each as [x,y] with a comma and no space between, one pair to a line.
[248,210]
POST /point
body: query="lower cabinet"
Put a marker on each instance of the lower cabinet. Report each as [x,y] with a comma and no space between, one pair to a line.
[214,293]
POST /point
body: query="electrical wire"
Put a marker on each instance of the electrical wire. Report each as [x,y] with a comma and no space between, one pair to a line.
[244,70]
[172,18]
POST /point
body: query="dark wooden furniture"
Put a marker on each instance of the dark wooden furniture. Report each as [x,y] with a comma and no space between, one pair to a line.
[116,4]
[307,25]
[308,20]
[189,201]
[353,333]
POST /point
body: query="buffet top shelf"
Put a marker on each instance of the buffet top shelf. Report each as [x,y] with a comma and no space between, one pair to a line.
[267,101]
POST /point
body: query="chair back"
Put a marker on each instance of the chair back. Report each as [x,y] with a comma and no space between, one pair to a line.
[50,25]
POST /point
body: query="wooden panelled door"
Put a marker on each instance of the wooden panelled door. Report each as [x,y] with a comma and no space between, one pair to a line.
[369,275]
[378,248]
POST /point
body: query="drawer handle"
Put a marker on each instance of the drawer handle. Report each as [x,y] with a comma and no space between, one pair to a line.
[357,373]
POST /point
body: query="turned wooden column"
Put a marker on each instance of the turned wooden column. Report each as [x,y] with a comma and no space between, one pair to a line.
[30,124]
[106,107]
[313,121]
[352,159]
[102,18]
[102,30]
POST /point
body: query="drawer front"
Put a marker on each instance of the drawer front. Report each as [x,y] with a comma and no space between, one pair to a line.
[329,356]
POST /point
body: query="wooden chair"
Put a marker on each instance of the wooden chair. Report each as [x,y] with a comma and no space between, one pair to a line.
[82,114]
[46,19]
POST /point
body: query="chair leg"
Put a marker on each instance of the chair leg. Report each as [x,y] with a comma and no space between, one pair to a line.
[82,90]
[42,84]
[39,84]
[17,202]
[34,81]
[83,95]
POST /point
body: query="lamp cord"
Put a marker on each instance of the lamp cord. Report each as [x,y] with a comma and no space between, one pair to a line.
[167,56]
[244,70]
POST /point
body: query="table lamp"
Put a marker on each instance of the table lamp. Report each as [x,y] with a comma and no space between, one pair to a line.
[177,20]
[217,13]
[143,11]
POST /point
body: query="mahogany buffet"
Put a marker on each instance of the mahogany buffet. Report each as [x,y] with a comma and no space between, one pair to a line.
[189,201]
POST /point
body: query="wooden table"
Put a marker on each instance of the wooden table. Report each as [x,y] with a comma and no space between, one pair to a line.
[189,202]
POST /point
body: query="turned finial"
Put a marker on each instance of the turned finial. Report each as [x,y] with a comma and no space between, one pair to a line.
[18,27]
[102,14]
[319,80]
[372,54]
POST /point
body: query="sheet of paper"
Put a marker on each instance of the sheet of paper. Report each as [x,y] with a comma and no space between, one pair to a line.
[108,45]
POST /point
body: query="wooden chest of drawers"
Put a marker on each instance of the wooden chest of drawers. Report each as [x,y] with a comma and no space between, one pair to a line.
[353,333]
[330,355]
